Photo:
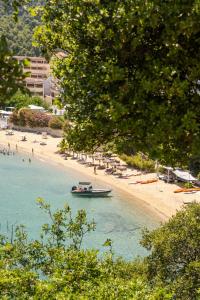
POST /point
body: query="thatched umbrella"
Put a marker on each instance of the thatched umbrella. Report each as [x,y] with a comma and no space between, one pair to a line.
[99,159]
[107,162]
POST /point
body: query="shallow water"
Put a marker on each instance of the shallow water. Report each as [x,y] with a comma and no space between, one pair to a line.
[22,182]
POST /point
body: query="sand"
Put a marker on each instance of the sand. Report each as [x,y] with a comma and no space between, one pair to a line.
[157,197]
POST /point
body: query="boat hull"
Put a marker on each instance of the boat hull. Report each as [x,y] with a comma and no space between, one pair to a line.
[97,193]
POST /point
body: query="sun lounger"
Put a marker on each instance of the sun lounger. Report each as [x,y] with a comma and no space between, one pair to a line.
[9,132]
[125,176]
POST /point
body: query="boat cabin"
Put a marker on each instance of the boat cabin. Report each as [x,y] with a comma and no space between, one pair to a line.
[83,186]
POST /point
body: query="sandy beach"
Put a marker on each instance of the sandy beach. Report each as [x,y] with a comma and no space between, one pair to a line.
[157,197]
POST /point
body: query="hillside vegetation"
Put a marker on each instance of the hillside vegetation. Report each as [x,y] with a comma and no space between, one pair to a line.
[19,35]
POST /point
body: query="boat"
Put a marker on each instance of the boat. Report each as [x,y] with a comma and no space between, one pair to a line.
[147,181]
[86,189]
[186,190]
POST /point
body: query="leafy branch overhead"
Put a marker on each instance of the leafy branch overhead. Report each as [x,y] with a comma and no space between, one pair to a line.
[131,73]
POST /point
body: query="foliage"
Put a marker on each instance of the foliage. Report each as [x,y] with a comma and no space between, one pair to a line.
[27,117]
[194,165]
[188,185]
[175,253]
[139,161]
[21,100]
[19,34]
[55,123]
[56,266]
[131,73]
[66,126]
[63,146]
[11,73]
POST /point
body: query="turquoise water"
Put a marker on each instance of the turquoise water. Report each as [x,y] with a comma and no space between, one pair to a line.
[22,182]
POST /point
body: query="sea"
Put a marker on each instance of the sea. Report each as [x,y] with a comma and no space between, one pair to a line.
[24,178]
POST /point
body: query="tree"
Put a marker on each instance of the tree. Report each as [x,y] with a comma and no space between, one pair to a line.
[56,267]
[175,253]
[11,73]
[21,100]
[131,73]
[19,34]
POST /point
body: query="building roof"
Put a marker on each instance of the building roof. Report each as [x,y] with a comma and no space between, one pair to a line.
[35,107]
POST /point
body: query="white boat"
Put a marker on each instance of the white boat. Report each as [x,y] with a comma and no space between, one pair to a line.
[86,189]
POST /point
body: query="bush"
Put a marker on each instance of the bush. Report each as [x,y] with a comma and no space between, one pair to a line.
[139,161]
[194,165]
[55,123]
[14,118]
[38,119]
[188,185]
[22,116]
[66,126]
[27,117]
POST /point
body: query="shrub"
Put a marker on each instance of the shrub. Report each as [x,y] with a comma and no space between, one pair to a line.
[22,116]
[27,117]
[38,119]
[55,123]
[188,185]
[194,165]
[139,161]
[66,126]
[14,118]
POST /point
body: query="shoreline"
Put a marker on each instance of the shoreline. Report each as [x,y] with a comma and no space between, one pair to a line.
[158,197]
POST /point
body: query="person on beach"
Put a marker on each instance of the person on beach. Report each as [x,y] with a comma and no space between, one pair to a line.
[16,147]
[95,170]
[29,160]
[9,146]
[32,151]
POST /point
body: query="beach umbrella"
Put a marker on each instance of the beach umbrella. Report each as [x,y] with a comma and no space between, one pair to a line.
[124,165]
[99,159]
[107,162]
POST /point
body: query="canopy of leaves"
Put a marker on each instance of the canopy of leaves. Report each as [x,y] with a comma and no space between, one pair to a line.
[131,73]
[66,271]
[56,267]
[11,73]
[19,100]
[175,253]
[19,34]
